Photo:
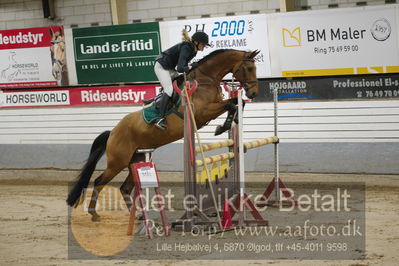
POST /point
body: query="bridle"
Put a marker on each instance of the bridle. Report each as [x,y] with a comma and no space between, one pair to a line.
[56,61]
[246,83]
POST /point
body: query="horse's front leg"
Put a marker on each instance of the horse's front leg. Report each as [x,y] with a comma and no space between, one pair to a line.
[231,107]
[214,110]
[236,116]
[231,111]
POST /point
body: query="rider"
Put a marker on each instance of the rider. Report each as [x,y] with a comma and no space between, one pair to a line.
[176,58]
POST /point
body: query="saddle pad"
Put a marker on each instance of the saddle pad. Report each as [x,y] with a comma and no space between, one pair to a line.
[151,113]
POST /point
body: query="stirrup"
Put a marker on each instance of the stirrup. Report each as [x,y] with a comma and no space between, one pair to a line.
[161,124]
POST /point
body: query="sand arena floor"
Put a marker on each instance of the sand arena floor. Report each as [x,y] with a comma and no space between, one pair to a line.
[34,222]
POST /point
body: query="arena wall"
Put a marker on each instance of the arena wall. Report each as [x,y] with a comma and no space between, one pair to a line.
[340,137]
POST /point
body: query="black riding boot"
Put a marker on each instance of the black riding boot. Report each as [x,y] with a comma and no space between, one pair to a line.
[163,104]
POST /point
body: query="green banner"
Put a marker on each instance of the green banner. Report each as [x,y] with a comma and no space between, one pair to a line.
[124,53]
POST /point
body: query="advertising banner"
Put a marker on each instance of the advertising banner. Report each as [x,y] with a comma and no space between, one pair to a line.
[334,42]
[378,86]
[236,32]
[116,95]
[124,53]
[33,57]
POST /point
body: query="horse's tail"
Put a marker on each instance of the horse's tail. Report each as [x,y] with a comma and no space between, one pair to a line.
[96,152]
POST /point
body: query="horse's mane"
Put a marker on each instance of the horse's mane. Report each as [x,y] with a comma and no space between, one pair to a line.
[212,54]
[203,60]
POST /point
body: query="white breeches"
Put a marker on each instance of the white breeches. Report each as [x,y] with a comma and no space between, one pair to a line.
[165,77]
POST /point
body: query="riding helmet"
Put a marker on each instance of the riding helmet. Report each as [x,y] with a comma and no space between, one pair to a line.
[201,37]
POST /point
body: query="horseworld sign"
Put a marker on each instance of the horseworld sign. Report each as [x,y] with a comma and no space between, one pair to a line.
[124,53]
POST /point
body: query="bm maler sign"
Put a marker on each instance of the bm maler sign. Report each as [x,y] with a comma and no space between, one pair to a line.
[335,42]
[124,53]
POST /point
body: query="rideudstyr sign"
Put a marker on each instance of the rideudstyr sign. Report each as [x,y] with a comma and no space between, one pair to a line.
[32,57]
[112,95]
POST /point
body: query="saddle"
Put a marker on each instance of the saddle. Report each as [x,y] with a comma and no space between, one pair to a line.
[151,106]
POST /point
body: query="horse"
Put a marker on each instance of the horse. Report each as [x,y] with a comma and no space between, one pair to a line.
[11,71]
[133,133]
[58,58]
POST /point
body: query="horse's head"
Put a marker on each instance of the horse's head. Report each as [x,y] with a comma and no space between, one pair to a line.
[245,72]
[57,52]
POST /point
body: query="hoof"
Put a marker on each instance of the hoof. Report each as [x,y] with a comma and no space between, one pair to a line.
[95,217]
[219,130]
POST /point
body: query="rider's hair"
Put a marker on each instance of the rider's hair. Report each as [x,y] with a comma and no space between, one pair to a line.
[185,36]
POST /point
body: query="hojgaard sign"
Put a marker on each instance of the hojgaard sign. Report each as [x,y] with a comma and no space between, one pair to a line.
[378,86]
[124,53]
[335,42]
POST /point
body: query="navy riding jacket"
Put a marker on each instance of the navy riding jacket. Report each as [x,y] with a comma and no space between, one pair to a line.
[177,57]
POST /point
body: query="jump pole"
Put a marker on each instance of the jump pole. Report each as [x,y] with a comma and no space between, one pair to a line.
[242,198]
[276,184]
[241,166]
[236,170]
[190,127]
[276,153]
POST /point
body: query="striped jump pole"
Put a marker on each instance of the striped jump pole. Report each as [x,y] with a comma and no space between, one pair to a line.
[214,146]
[230,155]
[215,158]
[229,142]
[260,142]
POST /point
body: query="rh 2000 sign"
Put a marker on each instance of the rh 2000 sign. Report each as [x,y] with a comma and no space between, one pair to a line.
[240,33]
[338,42]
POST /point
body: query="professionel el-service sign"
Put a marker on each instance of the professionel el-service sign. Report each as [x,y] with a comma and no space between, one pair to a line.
[335,42]
[32,57]
[237,32]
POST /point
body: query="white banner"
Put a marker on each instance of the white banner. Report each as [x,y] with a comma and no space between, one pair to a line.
[335,42]
[33,57]
[27,66]
[239,32]
[34,98]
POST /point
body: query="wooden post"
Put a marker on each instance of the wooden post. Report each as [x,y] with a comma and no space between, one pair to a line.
[119,12]
[287,5]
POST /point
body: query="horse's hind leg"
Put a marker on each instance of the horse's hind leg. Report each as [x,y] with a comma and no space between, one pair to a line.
[126,190]
[128,185]
[99,184]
